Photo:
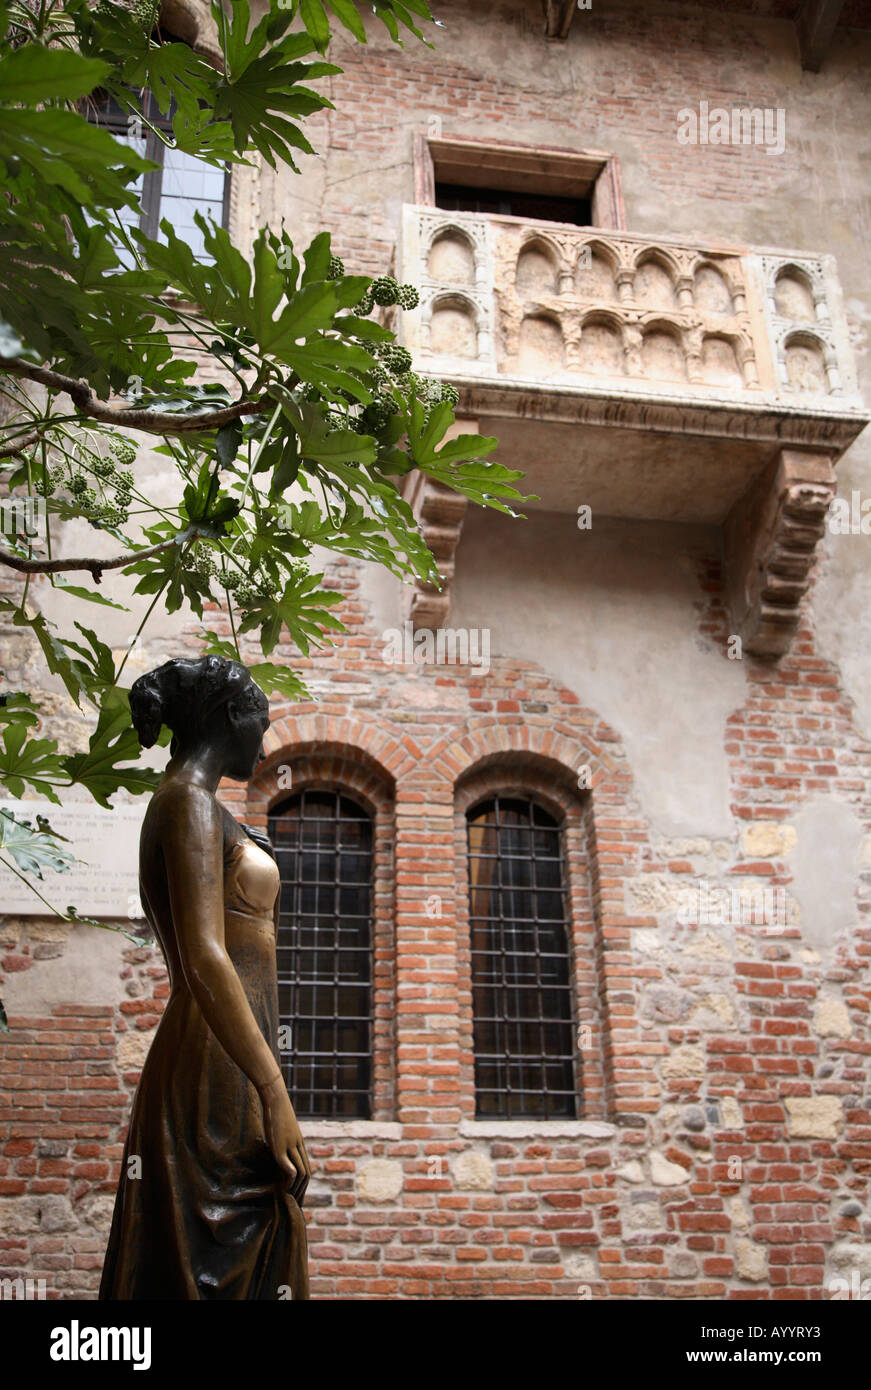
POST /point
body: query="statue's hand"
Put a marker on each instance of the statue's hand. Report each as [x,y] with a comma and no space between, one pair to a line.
[284,1137]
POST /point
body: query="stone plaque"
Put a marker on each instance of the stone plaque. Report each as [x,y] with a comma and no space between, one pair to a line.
[106,881]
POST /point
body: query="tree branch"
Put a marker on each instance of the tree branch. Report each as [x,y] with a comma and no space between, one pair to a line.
[95,566]
[12,449]
[150,421]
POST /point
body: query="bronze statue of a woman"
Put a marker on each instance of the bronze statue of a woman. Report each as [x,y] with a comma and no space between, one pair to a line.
[213,1208]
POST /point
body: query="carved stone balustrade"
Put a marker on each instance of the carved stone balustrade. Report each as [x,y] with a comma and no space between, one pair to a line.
[646,377]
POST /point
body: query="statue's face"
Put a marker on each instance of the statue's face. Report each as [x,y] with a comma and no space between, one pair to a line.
[248,721]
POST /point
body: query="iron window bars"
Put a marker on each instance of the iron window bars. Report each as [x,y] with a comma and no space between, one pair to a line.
[323,847]
[521,986]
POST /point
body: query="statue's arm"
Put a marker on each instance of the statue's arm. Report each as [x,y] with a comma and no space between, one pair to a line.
[193,851]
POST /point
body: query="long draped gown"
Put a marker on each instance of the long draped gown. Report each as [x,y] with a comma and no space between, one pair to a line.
[210,1215]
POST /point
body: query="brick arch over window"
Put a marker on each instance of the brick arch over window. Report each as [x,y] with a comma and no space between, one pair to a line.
[551,785]
[341,766]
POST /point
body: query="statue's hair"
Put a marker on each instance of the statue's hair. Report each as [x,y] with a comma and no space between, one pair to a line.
[184,693]
[260,838]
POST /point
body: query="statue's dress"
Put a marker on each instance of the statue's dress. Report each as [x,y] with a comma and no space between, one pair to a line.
[210,1214]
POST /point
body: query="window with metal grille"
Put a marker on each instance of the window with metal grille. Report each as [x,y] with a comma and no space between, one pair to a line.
[323,847]
[521,979]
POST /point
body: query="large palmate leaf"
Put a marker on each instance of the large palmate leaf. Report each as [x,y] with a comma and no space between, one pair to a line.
[261,92]
[34,848]
[303,609]
[29,762]
[114,741]
[459,463]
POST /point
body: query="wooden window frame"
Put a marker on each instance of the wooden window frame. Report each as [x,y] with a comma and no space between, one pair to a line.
[544,170]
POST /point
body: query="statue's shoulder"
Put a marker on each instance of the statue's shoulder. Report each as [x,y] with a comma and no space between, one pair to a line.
[185,800]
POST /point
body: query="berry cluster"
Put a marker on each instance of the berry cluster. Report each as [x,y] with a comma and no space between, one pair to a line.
[396,359]
[385,291]
[123,450]
[336,270]
[431,393]
[251,589]
[203,562]
[145,12]
[376,416]
[92,502]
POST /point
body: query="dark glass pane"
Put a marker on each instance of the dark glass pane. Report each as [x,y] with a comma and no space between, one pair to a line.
[523,1030]
[324,852]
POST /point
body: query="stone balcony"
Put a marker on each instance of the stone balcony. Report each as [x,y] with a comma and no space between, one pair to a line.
[648,378]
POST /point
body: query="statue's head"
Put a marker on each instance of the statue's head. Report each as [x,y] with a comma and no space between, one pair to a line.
[208,702]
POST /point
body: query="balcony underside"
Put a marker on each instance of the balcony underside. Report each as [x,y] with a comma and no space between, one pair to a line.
[765,477]
[648,457]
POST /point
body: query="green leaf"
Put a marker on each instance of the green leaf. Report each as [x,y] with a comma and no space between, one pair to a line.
[56,659]
[68,152]
[322,444]
[302,609]
[314,17]
[170,70]
[227,442]
[388,19]
[89,595]
[113,741]
[99,658]
[28,761]
[18,708]
[31,74]
[346,12]
[459,463]
[317,258]
[33,849]
[261,90]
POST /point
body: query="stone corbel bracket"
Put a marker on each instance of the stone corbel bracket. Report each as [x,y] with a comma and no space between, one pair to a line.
[558,16]
[440,512]
[771,537]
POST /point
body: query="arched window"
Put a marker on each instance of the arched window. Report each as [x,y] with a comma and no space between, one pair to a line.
[323,847]
[521,980]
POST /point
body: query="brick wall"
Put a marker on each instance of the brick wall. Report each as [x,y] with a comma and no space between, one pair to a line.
[724,1149]
[725,1137]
